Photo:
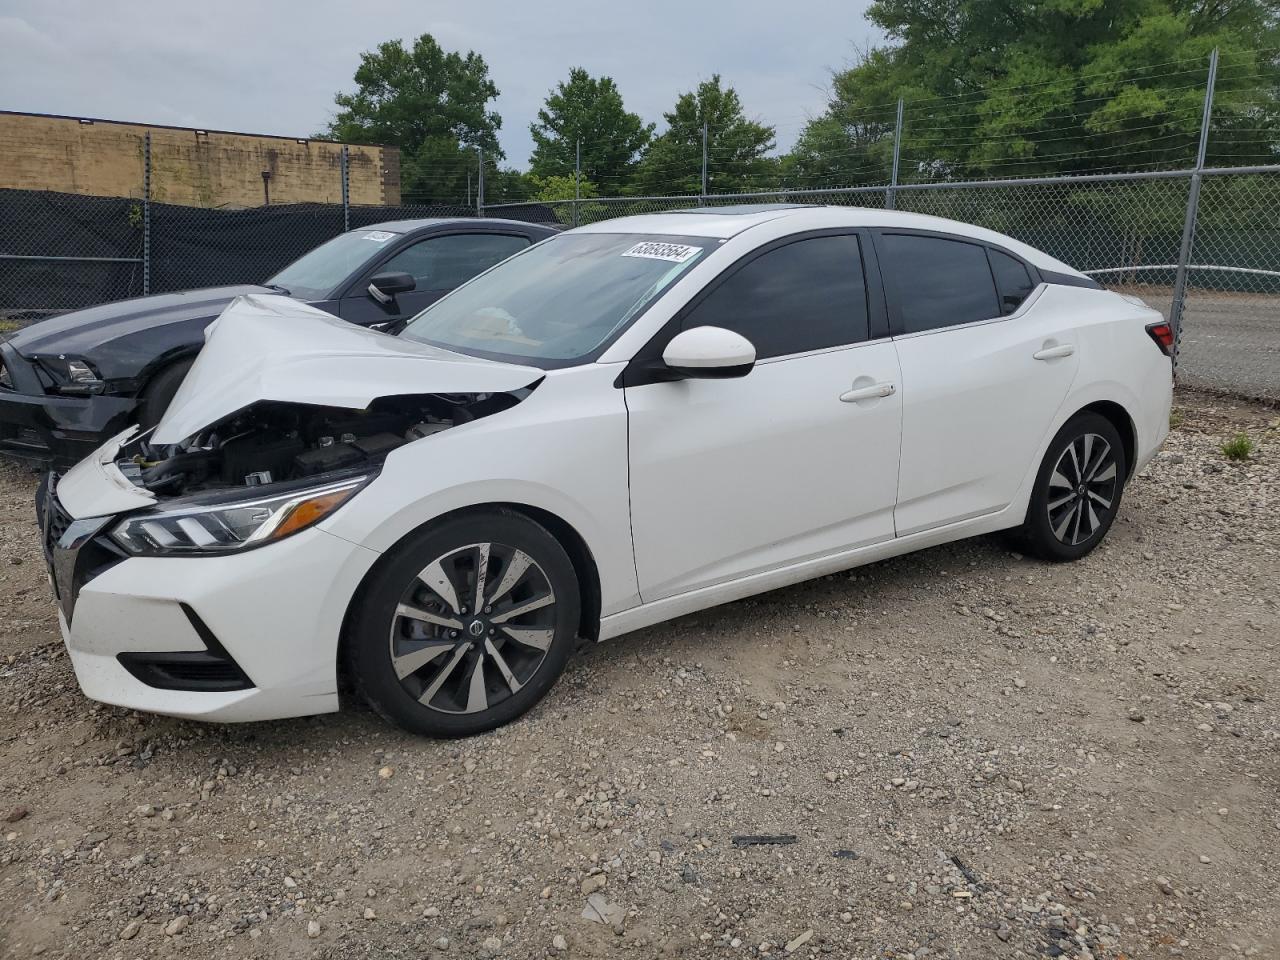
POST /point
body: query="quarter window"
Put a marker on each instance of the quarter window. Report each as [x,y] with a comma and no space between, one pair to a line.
[806,295]
[442,263]
[1012,280]
[939,283]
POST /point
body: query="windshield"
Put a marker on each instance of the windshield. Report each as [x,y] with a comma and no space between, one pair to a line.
[314,275]
[558,301]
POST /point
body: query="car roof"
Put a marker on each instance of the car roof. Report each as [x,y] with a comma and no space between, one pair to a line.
[410,226]
[729,221]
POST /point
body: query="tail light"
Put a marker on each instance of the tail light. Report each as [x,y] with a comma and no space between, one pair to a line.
[1162,334]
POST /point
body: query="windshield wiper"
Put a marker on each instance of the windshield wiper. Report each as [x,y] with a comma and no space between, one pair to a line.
[275,286]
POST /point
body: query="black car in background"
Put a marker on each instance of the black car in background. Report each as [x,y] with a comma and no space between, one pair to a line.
[69,383]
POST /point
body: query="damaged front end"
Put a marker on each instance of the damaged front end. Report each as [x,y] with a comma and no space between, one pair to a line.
[285,415]
[275,468]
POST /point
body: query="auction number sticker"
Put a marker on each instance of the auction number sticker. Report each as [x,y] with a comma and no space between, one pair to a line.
[378,236]
[656,250]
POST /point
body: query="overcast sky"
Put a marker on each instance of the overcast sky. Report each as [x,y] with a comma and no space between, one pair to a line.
[273,67]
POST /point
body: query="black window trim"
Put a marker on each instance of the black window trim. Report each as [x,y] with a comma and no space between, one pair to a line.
[893,301]
[358,286]
[646,364]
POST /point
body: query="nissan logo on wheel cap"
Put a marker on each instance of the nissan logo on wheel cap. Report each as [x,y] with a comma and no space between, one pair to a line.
[476,628]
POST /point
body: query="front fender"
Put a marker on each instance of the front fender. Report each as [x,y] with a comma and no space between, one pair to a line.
[562,450]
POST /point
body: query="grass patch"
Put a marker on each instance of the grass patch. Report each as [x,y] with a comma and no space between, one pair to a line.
[1237,447]
[9,326]
[1176,419]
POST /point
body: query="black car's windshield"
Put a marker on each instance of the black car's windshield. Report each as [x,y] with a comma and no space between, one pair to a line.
[559,301]
[314,276]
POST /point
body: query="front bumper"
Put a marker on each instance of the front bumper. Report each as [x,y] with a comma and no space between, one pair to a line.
[274,613]
[51,430]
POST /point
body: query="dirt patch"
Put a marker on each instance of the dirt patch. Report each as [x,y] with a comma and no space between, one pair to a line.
[979,756]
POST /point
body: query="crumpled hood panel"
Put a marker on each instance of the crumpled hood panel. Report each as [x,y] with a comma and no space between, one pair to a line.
[266,347]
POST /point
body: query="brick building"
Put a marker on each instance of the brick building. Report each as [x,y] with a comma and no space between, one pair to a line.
[205,168]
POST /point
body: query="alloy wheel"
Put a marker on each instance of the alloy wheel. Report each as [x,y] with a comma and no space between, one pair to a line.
[1082,489]
[473,628]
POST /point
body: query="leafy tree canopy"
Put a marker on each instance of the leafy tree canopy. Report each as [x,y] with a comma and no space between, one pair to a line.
[432,104]
[1018,89]
[737,148]
[588,110]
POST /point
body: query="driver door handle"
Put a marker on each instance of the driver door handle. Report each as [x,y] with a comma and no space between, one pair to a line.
[1053,353]
[875,391]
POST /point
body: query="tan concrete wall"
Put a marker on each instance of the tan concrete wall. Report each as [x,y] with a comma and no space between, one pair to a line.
[187,167]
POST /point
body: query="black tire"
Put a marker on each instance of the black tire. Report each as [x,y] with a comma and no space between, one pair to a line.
[1067,520]
[395,660]
[159,392]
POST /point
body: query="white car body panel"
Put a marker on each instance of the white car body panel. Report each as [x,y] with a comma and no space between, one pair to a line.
[95,487]
[731,477]
[277,348]
[685,494]
[976,406]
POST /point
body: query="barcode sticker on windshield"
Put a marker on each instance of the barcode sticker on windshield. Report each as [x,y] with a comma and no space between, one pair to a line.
[378,236]
[654,250]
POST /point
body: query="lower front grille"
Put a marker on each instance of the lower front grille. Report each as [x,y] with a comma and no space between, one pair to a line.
[212,670]
[196,671]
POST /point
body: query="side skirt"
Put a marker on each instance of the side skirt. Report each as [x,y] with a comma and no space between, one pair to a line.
[668,608]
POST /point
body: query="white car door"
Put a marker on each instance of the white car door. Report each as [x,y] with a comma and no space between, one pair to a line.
[797,459]
[983,374]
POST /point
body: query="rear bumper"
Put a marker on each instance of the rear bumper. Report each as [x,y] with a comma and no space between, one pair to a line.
[49,430]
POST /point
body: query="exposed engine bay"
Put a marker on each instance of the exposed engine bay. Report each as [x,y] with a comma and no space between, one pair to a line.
[271,442]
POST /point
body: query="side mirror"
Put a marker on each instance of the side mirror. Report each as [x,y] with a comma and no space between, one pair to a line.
[709,353]
[385,286]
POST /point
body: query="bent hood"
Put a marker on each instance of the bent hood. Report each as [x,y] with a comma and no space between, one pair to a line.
[82,332]
[267,347]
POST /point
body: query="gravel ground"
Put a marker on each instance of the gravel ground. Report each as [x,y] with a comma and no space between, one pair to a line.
[976,756]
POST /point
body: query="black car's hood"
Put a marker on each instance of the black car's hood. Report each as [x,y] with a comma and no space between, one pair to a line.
[82,332]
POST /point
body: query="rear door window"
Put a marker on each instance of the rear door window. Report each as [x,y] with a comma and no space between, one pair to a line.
[1012,280]
[938,282]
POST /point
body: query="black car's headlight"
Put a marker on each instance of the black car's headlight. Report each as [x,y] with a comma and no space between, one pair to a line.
[72,375]
[227,525]
[6,381]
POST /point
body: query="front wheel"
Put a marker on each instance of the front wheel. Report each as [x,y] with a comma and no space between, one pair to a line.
[1077,491]
[466,625]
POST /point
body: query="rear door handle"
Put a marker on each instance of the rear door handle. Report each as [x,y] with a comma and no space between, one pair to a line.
[872,392]
[1053,353]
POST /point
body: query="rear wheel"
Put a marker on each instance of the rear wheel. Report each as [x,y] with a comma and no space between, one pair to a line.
[467,626]
[1077,491]
[159,393]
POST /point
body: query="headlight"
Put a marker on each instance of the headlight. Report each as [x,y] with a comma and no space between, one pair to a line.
[5,380]
[73,375]
[227,526]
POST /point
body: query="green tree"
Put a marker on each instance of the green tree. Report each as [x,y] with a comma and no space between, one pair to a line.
[1008,89]
[589,110]
[737,148]
[433,105]
[560,188]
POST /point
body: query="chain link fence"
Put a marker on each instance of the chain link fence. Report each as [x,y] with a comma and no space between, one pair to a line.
[61,252]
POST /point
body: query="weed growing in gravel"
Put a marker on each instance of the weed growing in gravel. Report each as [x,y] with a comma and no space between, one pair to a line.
[1238,447]
[1176,419]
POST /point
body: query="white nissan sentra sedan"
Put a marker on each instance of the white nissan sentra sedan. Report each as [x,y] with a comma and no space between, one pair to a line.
[625,423]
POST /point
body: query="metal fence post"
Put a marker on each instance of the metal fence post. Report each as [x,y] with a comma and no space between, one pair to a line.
[577,180]
[702,199]
[1178,304]
[480,181]
[146,214]
[891,195]
[346,191]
